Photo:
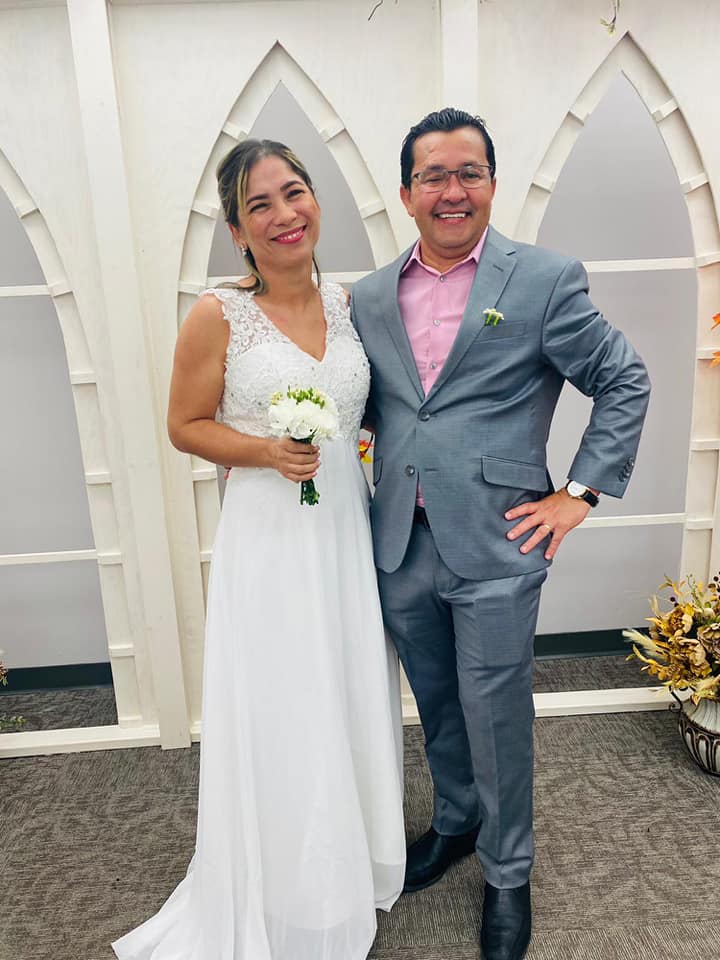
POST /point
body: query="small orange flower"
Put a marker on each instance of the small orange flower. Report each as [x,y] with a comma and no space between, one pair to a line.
[715,362]
[364,448]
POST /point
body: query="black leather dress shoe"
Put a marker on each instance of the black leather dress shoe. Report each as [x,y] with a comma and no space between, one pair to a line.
[506,923]
[430,856]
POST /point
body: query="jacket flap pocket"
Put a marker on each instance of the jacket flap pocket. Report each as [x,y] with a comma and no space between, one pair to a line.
[503,330]
[514,473]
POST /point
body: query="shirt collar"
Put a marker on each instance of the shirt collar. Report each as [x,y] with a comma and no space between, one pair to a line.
[473,255]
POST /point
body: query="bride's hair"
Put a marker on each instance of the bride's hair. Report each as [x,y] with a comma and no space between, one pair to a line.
[232,176]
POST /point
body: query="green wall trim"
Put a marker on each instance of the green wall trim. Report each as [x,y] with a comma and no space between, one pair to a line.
[57,677]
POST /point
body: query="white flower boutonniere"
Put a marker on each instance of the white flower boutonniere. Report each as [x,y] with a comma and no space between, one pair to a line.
[492,317]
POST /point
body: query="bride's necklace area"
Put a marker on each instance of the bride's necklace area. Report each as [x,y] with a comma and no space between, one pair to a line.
[303,323]
[286,314]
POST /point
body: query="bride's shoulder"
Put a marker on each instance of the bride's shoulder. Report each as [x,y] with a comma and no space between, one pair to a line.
[336,294]
[230,300]
[240,289]
[205,327]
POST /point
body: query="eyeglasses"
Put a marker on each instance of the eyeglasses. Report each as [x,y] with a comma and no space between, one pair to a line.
[470,176]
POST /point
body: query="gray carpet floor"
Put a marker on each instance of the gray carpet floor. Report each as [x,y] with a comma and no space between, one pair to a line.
[627,852]
[95,706]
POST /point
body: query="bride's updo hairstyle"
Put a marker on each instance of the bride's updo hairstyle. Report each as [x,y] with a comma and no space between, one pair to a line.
[233,173]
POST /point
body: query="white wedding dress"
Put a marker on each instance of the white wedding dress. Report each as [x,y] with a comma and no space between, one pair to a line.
[300,831]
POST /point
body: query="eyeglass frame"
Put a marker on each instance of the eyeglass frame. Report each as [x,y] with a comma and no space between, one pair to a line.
[446,174]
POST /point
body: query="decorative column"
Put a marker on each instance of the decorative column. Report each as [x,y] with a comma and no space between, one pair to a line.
[130,363]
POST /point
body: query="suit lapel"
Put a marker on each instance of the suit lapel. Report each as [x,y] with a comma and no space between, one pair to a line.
[496,264]
[396,327]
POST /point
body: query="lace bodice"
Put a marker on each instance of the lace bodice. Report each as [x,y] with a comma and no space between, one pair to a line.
[261,360]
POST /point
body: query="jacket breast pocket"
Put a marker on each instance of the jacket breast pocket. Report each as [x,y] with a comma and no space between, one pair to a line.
[503,331]
[376,470]
[515,473]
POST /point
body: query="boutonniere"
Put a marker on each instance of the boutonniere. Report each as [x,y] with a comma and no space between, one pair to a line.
[492,317]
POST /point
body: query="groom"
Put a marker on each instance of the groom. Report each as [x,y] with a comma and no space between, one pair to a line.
[470,338]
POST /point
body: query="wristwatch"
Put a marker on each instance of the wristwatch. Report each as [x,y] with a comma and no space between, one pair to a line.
[578,491]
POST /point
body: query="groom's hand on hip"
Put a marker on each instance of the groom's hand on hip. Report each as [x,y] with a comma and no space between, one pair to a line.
[552,516]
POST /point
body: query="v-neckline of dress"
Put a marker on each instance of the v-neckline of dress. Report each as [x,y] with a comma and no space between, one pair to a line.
[290,340]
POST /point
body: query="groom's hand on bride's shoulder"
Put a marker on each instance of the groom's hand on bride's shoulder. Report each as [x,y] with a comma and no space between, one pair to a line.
[554,516]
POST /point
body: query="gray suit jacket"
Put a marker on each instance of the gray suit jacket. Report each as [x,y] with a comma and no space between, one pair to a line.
[477,441]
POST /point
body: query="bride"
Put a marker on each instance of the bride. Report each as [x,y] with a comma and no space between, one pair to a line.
[300,831]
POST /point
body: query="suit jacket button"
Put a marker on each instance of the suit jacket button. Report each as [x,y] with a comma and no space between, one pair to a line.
[410,470]
[424,416]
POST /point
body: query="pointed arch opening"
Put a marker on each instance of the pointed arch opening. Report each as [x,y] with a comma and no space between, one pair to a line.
[622,185]
[62,583]
[277,78]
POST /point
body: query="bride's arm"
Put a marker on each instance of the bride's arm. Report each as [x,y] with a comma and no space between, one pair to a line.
[195,391]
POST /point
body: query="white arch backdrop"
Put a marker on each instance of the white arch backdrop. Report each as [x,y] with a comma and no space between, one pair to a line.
[701,545]
[144,120]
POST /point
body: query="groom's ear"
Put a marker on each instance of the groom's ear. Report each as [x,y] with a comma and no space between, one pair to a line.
[406,198]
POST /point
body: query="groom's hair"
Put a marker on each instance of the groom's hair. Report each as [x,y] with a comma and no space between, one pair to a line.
[445,121]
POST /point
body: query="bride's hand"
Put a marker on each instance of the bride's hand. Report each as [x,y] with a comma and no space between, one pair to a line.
[294,460]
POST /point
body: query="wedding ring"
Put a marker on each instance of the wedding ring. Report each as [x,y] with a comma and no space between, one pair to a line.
[547,527]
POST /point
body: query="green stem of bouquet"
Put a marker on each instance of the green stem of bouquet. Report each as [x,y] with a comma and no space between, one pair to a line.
[308,490]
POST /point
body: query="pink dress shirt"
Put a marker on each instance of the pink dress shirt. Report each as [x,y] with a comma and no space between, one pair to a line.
[431,306]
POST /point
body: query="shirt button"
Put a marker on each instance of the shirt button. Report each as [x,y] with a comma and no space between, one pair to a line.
[442,279]
[425,416]
[433,365]
[436,323]
[410,470]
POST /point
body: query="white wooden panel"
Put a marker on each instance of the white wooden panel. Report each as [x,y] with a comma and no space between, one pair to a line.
[701,493]
[696,553]
[706,413]
[123,308]
[208,513]
[706,233]
[682,149]
[92,428]
[102,507]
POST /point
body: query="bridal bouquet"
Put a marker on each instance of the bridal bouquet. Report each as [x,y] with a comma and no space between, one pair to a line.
[305,415]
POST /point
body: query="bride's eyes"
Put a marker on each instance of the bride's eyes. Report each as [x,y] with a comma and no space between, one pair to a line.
[263,205]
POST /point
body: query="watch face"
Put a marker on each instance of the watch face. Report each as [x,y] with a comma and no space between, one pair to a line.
[576,489]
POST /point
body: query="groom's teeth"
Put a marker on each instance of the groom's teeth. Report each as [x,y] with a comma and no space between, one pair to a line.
[451,216]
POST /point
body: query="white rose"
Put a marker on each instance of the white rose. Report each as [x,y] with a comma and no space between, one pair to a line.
[305,421]
[282,415]
[327,424]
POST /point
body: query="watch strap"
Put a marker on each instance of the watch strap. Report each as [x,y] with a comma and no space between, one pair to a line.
[588,496]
